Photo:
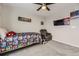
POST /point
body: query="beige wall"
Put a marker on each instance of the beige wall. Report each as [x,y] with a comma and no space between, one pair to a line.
[0,14]
[10,20]
[65,34]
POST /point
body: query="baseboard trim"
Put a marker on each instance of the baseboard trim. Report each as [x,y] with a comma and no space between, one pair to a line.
[66,44]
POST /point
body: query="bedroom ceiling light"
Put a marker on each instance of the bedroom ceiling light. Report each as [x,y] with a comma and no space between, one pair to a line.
[43,7]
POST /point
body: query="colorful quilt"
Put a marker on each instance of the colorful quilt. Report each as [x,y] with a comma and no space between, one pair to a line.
[18,41]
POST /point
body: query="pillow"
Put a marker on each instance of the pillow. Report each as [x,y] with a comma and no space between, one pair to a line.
[3,33]
[10,34]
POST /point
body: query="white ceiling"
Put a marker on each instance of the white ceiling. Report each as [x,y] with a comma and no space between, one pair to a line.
[54,8]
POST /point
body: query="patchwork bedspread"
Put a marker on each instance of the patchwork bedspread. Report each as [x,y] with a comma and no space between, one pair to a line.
[19,40]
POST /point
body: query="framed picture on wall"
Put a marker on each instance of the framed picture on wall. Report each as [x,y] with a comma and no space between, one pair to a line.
[24,19]
[74,13]
[42,23]
[60,22]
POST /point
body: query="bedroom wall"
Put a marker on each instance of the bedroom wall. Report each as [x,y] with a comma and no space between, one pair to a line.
[65,34]
[10,20]
[0,14]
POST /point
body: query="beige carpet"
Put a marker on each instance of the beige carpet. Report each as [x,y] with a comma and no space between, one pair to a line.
[52,48]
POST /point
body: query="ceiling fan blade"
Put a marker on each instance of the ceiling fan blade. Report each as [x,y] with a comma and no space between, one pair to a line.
[39,8]
[47,8]
[49,3]
[38,3]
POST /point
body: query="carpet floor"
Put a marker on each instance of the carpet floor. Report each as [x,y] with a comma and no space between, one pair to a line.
[52,48]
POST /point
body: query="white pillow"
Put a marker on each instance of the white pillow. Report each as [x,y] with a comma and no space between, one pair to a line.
[3,33]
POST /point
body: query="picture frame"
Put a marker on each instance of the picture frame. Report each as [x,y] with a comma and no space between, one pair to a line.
[24,19]
[74,13]
[42,23]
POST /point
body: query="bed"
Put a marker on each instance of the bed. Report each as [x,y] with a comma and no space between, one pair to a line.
[20,40]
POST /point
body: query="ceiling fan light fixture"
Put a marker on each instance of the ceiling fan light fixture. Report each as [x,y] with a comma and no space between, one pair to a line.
[43,7]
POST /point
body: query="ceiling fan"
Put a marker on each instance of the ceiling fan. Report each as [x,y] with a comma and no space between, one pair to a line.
[44,6]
